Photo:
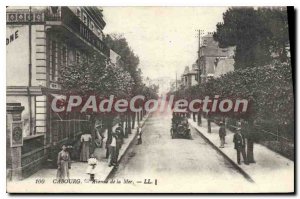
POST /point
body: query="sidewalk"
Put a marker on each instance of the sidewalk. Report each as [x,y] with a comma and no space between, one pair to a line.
[270,169]
[78,169]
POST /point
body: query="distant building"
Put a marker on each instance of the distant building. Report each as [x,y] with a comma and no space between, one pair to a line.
[163,83]
[148,81]
[114,58]
[214,61]
[174,85]
[189,77]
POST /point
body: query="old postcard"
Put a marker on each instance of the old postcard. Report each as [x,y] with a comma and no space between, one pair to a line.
[149,99]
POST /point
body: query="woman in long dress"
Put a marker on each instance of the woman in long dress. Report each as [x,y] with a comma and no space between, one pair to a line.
[85,149]
[63,163]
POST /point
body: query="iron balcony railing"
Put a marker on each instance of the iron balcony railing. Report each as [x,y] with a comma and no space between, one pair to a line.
[71,20]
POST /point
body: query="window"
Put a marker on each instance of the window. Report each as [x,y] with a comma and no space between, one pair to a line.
[64,56]
[54,9]
[78,12]
[84,19]
[100,35]
[77,57]
[88,22]
[92,26]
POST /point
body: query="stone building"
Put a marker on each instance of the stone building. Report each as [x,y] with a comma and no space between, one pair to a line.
[40,41]
[214,61]
[189,77]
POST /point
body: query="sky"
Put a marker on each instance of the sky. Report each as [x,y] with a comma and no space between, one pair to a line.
[164,38]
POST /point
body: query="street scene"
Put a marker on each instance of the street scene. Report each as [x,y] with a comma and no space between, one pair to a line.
[166,160]
[149,100]
[160,158]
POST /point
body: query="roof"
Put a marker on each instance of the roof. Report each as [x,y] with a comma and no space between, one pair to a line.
[187,70]
[211,48]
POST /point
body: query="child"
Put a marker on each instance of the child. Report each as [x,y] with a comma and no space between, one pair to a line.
[139,132]
[92,162]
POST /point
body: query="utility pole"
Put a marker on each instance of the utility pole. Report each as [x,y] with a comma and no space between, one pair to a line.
[199,40]
[200,32]
[176,82]
[199,36]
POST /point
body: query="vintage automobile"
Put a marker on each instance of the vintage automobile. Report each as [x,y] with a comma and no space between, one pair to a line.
[180,126]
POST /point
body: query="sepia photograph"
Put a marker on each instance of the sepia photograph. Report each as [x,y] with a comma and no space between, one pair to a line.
[157,99]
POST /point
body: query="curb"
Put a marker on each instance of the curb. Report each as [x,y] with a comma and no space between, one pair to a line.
[235,165]
[114,168]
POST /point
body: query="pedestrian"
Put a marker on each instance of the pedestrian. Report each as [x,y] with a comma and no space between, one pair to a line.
[107,141]
[112,151]
[240,145]
[119,141]
[92,163]
[85,140]
[77,147]
[139,134]
[63,163]
[222,134]
[99,133]
[120,132]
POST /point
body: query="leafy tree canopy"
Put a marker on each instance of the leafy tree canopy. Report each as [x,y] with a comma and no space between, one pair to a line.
[260,35]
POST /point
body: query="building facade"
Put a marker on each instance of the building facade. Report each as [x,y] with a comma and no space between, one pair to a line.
[214,61]
[39,42]
[189,76]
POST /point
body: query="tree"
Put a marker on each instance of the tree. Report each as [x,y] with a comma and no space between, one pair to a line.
[259,35]
[96,76]
[276,21]
[129,62]
[261,38]
[269,90]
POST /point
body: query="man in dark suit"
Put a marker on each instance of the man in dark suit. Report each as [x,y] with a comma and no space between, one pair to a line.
[119,137]
[240,145]
[120,133]
[222,134]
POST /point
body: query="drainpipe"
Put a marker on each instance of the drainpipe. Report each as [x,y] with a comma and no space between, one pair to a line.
[30,74]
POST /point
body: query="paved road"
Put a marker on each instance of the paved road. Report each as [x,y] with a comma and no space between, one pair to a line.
[179,165]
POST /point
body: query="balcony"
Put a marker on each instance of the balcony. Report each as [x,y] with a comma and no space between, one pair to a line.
[68,19]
